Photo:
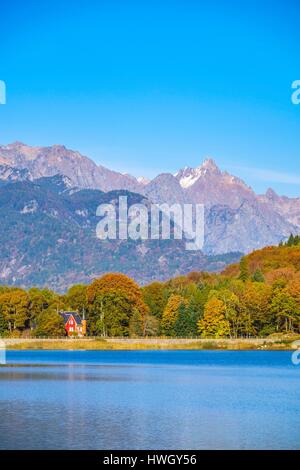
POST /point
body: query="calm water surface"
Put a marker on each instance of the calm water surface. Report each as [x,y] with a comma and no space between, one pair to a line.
[149,400]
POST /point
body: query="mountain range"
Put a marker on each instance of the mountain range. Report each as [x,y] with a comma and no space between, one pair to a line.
[48,201]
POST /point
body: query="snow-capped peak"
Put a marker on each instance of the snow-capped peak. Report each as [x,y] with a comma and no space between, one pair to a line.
[188,176]
[143,180]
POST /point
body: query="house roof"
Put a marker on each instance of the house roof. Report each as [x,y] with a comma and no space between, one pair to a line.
[66,316]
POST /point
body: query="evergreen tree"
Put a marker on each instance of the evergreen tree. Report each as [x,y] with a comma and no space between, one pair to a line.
[195,312]
[291,240]
[182,327]
[258,276]
[244,270]
[186,323]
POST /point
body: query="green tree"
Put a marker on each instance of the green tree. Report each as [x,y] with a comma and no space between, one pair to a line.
[291,240]
[195,311]
[186,324]
[155,297]
[285,310]
[38,303]
[181,326]
[112,300]
[244,269]
[258,276]
[50,323]
[76,298]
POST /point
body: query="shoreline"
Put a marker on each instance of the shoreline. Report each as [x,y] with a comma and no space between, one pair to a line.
[128,344]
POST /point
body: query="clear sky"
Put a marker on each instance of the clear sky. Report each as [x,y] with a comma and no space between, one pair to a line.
[151,86]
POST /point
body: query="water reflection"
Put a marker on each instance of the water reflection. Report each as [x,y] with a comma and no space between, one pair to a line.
[196,400]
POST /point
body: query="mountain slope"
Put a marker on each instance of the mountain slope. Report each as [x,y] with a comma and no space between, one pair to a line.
[288,208]
[237,219]
[165,188]
[49,161]
[48,238]
[250,226]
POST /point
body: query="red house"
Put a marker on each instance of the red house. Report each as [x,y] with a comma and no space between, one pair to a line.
[74,325]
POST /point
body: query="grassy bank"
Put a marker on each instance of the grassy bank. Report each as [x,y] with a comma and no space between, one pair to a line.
[275,343]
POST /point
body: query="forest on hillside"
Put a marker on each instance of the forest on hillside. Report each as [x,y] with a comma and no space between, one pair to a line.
[257,297]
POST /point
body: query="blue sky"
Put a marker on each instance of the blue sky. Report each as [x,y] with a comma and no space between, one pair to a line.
[146,87]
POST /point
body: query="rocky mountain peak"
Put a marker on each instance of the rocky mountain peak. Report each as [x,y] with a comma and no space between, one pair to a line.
[270,194]
[165,188]
[142,180]
[16,145]
[210,165]
[188,176]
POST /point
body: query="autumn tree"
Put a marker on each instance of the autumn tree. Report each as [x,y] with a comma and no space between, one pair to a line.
[3,325]
[155,297]
[112,299]
[136,324]
[280,277]
[293,289]
[231,308]
[143,325]
[50,323]
[285,310]
[254,309]
[214,324]
[151,325]
[170,314]
[14,306]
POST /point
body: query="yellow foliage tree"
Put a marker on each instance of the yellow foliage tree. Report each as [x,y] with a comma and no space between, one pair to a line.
[170,314]
[214,324]
[293,288]
[14,306]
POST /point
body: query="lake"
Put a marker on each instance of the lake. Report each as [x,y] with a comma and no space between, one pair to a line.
[149,400]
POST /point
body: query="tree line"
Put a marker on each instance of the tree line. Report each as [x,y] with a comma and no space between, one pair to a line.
[257,297]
